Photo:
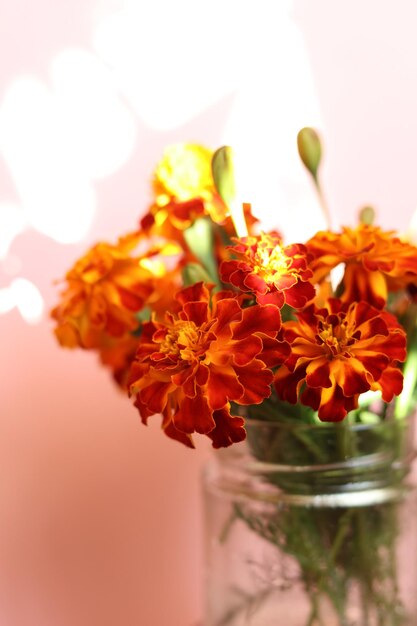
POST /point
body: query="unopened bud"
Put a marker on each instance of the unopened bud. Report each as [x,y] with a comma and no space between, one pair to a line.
[309,149]
[223,174]
[367,215]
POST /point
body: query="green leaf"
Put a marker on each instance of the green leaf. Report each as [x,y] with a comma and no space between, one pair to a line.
[199,238]
[194,273]
[144,315]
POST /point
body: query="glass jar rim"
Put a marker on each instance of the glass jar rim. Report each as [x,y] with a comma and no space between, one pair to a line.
[331,427]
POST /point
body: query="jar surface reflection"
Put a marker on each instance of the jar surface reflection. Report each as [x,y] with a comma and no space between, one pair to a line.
[312,526]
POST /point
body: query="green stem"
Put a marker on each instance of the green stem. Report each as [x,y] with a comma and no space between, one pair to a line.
[323,203]
[404,402]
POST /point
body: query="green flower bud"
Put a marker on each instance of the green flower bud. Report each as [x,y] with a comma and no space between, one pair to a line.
[309,149]
[223,174]
[367,215]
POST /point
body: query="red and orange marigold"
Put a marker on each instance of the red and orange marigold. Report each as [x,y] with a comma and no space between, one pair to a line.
[337,353]
[194,364]
[376,262]
[276,274]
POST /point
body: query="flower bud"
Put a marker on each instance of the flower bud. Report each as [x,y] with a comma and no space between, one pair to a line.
[309,149]
[367,215]
[223,174]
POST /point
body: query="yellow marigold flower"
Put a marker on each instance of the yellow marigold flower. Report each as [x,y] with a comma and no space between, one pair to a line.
[184,172]
[376,262]
[184,191]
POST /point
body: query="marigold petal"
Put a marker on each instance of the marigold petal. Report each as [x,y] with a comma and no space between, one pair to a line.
[131,300]
[183,213]
[67,335]
[271,297]
[228,430]
[265,319]
[196,312]
[300,294]
[222,386]
[245,350]
[185,378]
[255,283]
[288,384]
[311,397]
[390,383]
[234,272]
[226,312]
[274,352]
[318,373]
[172,432]
[197,292]
[144,412]
[256,382]
[395,346]
[363,313]
[350,376]
[117,327]
[373,327]
[194,415]
[155,395]
[202,374]
[333,404]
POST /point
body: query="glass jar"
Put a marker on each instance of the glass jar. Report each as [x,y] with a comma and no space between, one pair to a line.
[312,525]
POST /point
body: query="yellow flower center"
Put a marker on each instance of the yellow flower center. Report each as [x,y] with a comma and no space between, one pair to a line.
[337,337]
[270,261]
[184,340]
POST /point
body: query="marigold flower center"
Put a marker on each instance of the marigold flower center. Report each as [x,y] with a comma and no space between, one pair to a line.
[269,262]
[184,340]
[336,336]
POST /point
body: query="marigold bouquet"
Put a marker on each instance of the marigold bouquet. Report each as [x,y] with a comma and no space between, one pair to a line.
[208,321]
[192,318]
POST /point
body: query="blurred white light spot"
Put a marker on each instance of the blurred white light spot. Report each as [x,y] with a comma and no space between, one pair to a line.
[56,141]
[56,199]
[12,222]
[26,297]
[97,129]
[171,71]
[275,100]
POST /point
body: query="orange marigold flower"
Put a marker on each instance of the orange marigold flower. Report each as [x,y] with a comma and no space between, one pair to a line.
[106,289]
[339,352]
[191,366]
[376,262]
[276,274]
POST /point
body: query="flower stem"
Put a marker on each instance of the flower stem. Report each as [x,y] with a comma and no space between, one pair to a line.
[323,203]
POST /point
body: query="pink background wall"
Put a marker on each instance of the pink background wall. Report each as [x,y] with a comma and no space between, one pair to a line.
[100,518]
